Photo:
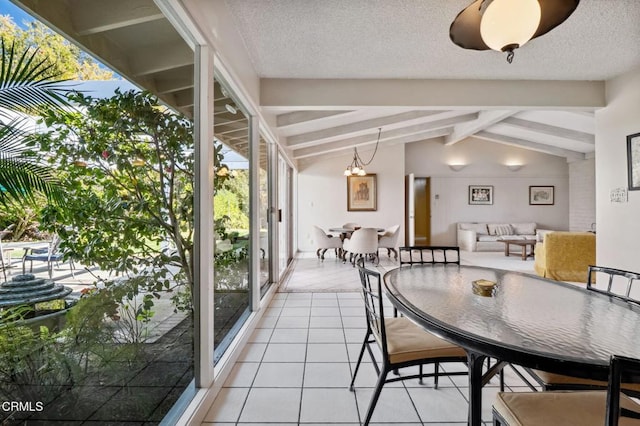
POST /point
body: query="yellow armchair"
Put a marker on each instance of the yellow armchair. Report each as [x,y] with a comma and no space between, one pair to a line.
[565,256]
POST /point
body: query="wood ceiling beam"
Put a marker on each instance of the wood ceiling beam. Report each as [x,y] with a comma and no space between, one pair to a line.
[97,16]
[341,145]
[484,120]
[534,146]
[390,135]
[431,93]
[548,129]
[57,14]
[318,136]
[147,61]
[173,81]
[300,117]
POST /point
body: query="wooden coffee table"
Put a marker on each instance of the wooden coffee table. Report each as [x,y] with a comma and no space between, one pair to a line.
[522,243]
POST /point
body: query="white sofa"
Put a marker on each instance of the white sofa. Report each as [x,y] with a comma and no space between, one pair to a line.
[484,236]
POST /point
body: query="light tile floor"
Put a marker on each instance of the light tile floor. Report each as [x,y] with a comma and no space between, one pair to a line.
[297,366]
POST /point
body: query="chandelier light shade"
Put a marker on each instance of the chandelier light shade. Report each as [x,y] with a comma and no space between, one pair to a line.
[356,167]
[505,25]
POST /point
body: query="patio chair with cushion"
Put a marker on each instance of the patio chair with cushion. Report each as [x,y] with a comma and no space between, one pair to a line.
[50,254]
[402,342]
[584,408]
[429,255]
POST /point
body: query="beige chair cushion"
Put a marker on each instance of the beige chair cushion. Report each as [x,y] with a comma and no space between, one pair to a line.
[407,342]
[566,408]
[552,379]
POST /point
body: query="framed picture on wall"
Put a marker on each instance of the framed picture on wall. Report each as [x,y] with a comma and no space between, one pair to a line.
[633,161]
[541,195]
[480,194]
[361,193]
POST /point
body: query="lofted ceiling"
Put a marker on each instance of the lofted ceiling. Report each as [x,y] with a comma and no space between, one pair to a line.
[364,39]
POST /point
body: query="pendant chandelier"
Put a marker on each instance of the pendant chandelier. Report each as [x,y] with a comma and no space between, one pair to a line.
[505,25]
[356,168]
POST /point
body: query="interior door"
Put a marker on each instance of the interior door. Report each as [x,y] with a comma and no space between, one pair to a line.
[409,210]
[422,211]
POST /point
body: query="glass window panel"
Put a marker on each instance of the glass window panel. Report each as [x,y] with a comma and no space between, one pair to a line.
[265,255]
[232,290]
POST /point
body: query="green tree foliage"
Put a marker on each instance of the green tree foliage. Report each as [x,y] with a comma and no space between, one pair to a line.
[128,165]
[28,85]
[230,202]
[69,62]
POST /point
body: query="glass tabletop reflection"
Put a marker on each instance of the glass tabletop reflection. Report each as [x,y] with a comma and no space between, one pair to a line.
[525,316]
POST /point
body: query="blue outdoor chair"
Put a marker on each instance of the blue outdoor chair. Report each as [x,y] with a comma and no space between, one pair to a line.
[50,254]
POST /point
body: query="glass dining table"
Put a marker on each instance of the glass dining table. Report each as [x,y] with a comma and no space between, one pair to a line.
[526,320]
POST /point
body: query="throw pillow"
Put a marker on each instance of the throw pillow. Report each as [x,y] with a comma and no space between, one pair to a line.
[504,230]
[493,227]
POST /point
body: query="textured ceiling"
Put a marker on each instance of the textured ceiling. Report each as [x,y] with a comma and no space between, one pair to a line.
[361,39]
[410,39]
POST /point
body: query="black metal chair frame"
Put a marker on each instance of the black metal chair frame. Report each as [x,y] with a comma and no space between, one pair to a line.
[612,272]
[432,250]
[374,311]
[621,369]
[626,296]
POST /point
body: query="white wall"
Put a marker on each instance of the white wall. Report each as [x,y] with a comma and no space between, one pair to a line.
[582,184]
[486,166]
[618,226]
[322,193]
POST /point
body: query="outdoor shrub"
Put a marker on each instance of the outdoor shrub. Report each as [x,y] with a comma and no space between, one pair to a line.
[33,366]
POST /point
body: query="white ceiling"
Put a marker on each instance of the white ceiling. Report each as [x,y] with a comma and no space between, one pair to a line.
[363,39]
[410,39]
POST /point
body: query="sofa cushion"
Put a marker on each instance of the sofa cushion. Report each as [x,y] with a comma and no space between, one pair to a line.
[485,238]
[480,228]
[528,228]
[512,237]
[494,226]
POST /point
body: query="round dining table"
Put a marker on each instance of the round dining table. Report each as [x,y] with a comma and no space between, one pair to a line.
[346,232]
[526,320]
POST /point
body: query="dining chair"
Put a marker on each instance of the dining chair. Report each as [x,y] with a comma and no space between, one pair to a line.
[401,342]
[618,284]
[363,243]
[324,242]
[583,408]
[389,239]
[436,255]
[351,225]
[411,255]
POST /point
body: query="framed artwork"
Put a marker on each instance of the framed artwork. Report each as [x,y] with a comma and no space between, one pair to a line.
[361,193]
[633,161]
[480,194]
[541,195]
